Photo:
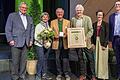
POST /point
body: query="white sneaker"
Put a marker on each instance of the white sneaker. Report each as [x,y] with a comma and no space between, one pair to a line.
[59,77]
[67,77]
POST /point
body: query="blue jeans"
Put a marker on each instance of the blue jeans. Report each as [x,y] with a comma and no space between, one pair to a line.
[42,61]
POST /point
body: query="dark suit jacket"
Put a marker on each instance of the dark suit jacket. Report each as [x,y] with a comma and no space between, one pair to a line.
[111,27]
[104,34]
[15,30]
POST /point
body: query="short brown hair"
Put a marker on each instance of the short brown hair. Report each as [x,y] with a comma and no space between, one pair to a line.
[100,10]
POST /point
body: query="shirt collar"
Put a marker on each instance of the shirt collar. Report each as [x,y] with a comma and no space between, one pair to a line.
[44,24]
[79,17]
[117,13]
[21,14]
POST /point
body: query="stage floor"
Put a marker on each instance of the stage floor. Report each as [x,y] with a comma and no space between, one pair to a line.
[6,76]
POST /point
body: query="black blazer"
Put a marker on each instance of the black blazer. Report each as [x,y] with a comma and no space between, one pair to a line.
[104,34]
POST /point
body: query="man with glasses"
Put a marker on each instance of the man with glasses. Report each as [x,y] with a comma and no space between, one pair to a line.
[60,46]
[114,34]
[19,31]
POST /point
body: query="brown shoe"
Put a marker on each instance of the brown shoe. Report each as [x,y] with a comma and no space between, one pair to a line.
[82,77]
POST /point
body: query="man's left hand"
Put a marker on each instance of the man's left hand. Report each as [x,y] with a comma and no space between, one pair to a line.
[30,44]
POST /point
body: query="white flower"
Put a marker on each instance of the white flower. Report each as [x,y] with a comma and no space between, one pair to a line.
[50,29]
[47,44]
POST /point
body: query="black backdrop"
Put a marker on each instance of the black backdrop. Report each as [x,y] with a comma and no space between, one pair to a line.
[6,7]
[51,5]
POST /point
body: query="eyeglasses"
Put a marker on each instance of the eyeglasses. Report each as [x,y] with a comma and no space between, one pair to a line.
[117,4]
[23,7]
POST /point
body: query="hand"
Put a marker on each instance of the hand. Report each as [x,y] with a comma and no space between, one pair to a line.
[103,48]
[12,43]
[93,46]
[56,37]
[30,44]
[64,35]
[87,40]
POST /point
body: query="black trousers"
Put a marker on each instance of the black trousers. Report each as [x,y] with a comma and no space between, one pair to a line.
[86,60]
[62,55]
[18,62]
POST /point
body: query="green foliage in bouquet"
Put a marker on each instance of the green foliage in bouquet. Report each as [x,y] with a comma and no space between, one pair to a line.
[31,54]
[46,35]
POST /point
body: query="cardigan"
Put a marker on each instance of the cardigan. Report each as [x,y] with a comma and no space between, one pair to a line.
[104,34]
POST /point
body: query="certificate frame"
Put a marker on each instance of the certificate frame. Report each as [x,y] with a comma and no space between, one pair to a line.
[76,38]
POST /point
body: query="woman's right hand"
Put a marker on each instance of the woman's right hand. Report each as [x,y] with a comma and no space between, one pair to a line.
[93,46]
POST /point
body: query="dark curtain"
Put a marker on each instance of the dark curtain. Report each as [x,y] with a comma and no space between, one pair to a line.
[6,7]
[51,5]
[2,19]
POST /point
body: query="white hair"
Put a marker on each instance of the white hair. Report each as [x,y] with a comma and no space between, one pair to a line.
[79,6]
[21,4]
[59,9]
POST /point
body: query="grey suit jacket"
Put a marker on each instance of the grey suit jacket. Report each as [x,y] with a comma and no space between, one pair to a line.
[15,30]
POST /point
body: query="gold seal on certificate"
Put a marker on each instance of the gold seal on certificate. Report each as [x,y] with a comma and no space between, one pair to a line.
[76,38]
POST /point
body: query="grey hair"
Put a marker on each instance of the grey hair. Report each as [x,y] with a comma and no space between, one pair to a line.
[59,9]
[44,13]
[79,6]
[21,4]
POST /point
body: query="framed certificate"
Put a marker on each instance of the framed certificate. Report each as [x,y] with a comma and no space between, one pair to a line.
[76,38]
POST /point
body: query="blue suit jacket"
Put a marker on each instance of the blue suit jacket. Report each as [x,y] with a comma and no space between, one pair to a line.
[111,27]
[15,30]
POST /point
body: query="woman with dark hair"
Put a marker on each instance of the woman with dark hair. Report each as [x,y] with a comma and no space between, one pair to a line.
[100,44]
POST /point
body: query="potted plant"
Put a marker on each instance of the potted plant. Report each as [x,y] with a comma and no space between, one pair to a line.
[34,11]
[31,62]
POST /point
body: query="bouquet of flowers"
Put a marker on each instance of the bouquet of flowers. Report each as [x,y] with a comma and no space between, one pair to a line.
[46,36]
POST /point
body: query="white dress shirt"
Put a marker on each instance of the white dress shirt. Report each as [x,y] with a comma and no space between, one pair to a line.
[24,20]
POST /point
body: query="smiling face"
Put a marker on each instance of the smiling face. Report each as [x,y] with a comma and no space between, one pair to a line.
[117,6]
[99,16]
[23,8]
[79,10]
[45,18]
[60,13]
